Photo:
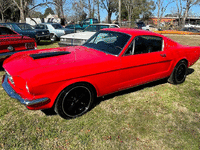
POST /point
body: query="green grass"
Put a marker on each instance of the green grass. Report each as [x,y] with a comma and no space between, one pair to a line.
[152,116]
[47,44]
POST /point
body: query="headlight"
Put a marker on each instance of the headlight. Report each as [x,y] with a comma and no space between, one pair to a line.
[9,77]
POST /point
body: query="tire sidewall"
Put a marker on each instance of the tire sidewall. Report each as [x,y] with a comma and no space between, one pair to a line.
[177,67]
[59,101]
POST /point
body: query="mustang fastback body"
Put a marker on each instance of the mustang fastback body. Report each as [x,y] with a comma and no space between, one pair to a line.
[70,78]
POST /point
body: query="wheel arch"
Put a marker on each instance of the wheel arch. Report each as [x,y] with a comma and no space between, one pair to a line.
[183,59]
[64,86]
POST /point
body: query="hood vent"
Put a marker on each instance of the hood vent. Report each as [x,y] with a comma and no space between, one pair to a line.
[48,54]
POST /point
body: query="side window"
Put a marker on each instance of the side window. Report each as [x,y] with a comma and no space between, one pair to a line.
[6,31]
[147,44]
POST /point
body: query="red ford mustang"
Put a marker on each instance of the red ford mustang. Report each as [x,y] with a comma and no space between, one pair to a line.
[68,79]
[12,42]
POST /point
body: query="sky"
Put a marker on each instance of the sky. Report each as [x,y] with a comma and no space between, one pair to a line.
[103,13]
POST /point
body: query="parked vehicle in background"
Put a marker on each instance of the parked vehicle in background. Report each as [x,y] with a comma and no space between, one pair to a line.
[150,28]
[27,30]
[12,42]
[140,24]
[190,29]
[69,79]
[192,25]
[83,24]
[82,37]
[55,29]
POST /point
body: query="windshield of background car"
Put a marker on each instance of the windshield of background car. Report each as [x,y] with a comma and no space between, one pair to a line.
[40,26]
[25,27]
[108,42]
[57,26]
[95,28]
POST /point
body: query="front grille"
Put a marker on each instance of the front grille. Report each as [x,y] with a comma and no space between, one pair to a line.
[73,41]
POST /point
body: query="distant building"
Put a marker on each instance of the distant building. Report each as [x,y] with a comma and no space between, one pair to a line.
[49,18]
[174,20]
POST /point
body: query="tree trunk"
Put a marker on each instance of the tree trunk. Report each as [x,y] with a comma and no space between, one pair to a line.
[2,17]
[89,7]
[185,15]
[98,11]
[129,17]
[22,16]
[109,16]
[158,14]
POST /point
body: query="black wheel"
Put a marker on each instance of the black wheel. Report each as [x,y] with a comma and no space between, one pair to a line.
[179,73]
[74,101]
[53,37]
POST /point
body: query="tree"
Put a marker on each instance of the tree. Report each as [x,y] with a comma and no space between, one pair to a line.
[98,12]
[138,8]
[110,6]
[4,5]
[23,7]
[79,9]
[189,4]
[48,11]
[179,9]
[12,14]
[36,14]
[161,7]
[59,7]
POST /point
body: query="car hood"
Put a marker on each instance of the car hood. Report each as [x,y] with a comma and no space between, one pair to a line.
[80,35]
[49,61]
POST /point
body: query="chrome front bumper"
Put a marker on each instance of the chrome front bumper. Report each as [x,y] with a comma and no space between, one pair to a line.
[9,90]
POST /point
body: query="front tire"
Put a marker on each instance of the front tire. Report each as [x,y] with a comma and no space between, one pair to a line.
[74,101]
[53,37]
[179,73]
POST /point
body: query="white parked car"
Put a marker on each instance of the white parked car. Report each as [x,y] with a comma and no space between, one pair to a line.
[81,37]
[150,28]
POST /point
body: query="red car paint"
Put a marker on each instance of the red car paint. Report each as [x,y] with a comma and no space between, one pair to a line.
[47,77]
[12,42]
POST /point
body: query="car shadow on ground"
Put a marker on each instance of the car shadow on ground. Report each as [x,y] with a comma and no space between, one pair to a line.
[97,101]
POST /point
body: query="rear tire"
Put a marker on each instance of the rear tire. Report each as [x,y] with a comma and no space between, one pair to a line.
[74,101]
[179,73]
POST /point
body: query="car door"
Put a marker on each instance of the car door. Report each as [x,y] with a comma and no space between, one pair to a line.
[145,60]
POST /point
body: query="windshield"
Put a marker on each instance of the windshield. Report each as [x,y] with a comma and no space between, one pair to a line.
[25,26]
[57,26]
[40,26]
[95,28]
[108,42]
